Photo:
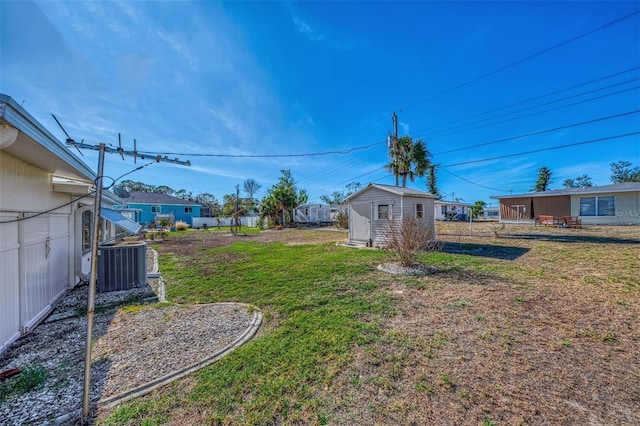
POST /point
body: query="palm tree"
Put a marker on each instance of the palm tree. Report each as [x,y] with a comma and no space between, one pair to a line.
[409,159]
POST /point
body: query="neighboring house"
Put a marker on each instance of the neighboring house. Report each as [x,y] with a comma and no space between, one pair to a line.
[373,208]
[491,213]
[148,207]
[615,204]
[46,207]
[450,210]
[315,213]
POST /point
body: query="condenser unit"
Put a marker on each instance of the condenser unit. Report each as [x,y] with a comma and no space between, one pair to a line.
[122,267]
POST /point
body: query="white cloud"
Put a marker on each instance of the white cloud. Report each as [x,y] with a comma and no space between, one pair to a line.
[177,45]
[307,30]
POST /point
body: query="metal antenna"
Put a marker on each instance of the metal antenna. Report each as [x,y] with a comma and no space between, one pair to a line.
[120,150]
[70,140]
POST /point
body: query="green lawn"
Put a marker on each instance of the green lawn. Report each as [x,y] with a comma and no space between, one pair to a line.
[535,326]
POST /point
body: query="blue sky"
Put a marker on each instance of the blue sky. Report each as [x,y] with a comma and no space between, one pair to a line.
[270,78]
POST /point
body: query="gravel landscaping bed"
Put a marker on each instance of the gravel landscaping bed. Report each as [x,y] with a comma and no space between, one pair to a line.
[133,345]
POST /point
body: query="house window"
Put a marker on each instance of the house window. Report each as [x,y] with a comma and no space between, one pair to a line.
[607,206]
[384,212]
[86,230]
[598,206]
[155,209]
[419,211]
[188,210]
[443,209]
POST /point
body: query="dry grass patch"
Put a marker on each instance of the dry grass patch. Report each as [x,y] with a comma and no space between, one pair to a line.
[549,337]
[535,326]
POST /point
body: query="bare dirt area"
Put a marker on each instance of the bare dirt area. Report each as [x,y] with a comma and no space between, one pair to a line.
[523,325]
[187,242]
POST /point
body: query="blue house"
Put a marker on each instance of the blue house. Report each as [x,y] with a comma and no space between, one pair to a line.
[147,208]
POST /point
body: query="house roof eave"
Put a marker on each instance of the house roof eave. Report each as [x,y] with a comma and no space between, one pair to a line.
[34,144]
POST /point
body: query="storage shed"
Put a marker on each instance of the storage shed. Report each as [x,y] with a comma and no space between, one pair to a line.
[375,207]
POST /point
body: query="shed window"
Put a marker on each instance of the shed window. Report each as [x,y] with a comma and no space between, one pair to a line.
[155,209]
[188,210]
[419,211]
[384,212]
[598,206]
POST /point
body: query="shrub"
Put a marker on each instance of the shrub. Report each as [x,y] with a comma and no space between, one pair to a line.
[342,220]
[31,377]
[182,226]
[407,239]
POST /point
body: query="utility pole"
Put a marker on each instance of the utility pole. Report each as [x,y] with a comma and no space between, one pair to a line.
[97,205]
[102,148]
[394,118]
[392,143]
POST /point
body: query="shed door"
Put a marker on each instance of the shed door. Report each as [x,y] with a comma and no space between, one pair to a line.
[360,222]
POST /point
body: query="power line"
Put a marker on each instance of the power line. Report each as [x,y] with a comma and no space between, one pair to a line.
[539,112]
[436,135]
[570,40]
[555,92]
[542,149]
[77,199]
[312,154]
[472,183]
[520,61]
[526,135]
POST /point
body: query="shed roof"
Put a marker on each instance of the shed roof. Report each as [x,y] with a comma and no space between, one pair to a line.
[616,187]
[156,198]
[397,190]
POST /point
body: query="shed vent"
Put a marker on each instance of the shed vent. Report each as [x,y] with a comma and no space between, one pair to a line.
[122,267]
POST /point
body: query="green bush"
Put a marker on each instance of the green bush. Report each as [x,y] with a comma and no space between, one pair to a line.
[342,220]
[31,377]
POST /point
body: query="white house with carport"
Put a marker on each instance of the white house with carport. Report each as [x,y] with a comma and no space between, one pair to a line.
[46,207]
[373,209]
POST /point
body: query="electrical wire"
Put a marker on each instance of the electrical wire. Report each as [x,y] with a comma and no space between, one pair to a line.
[520,61]
[542,149]
[526,135]
[471,182]
[78,198]
[436,133]
[537,112]
[555,92]
[312,154]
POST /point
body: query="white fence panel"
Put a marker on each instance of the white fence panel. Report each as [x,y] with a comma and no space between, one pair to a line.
[212,222]
[60,248]
[9,281]
[34,268]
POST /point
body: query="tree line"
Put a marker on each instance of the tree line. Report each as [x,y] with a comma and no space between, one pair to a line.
[621,171]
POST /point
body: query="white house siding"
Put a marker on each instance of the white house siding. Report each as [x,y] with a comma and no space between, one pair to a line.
[627,206]
[376,197]
[35,252]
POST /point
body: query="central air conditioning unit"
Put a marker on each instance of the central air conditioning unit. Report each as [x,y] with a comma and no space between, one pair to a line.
[122,267]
